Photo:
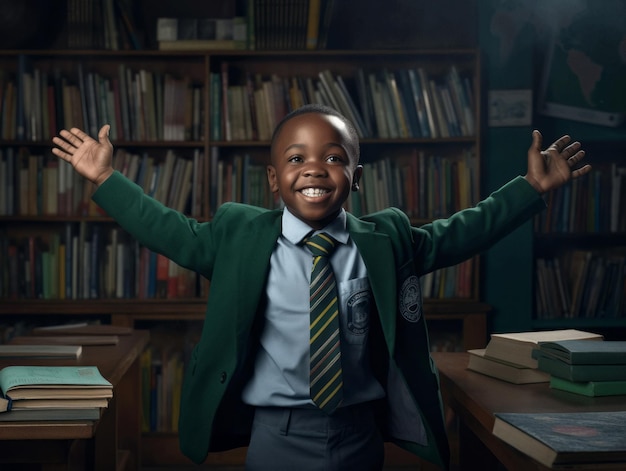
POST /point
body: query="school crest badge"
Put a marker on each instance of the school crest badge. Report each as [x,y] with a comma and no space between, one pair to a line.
[410,299]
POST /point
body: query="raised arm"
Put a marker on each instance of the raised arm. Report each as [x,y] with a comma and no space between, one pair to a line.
[90,158]
[551,168]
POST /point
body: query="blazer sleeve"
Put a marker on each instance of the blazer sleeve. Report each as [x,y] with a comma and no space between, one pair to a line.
[446,242]
[183,240]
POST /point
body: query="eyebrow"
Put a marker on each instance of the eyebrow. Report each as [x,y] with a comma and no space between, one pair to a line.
[301,146]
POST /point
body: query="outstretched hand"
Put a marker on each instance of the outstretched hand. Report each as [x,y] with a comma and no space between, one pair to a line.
[551,168]
[90,158]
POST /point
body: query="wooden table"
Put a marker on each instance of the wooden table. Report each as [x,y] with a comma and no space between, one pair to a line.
[111,443]
[475,398]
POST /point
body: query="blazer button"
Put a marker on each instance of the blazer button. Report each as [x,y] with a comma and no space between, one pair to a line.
[223,377]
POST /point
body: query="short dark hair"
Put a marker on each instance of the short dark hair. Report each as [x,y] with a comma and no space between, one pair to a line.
[320,109]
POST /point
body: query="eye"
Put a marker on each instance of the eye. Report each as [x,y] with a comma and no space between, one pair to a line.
[335,158]
[295,158]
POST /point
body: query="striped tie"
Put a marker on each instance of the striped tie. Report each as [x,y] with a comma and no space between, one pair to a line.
[325,369]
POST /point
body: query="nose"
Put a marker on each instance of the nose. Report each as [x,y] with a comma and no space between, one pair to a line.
[315,169]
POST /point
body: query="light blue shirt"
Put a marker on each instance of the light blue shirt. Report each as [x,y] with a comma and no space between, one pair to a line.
[281,372]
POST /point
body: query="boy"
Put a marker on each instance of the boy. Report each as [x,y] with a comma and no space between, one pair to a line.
[248,380]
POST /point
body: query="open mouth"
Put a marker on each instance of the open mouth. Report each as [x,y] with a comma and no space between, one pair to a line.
[314,192]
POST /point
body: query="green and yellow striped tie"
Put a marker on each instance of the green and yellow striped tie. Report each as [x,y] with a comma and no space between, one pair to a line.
[325,370]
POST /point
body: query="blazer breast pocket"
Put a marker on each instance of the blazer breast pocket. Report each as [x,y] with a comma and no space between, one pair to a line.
[356,305]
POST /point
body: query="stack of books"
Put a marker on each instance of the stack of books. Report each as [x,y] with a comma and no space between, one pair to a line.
[509,356]
[586,368]
[57,393]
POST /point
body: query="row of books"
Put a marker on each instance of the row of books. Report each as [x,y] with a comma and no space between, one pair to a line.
[102,24]
[139,105]
[456,281]
[192,33]
[288,24]
[90,261]
[581,284]
[423,186]
[239,178]
[592,204]
[382,103]
[44,185]
[267,25]
[162,365]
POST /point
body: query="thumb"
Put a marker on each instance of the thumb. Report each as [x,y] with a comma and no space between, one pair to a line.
[103,135]
[537,140]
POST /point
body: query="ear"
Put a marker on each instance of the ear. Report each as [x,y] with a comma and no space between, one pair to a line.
[356,177]
[272,178]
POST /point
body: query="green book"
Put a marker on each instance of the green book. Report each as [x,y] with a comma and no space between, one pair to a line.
[589,388]
[564,370]
[583,352]
[12,377]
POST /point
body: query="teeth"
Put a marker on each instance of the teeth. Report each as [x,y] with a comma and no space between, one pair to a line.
[313,192]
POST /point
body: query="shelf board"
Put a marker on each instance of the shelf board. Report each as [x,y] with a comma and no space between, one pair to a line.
[182,306]
[581,323]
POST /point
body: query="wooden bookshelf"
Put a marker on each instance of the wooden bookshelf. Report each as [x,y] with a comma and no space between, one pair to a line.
[421,164]
[580,248]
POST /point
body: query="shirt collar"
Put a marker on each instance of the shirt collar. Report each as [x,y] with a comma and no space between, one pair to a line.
[294,229]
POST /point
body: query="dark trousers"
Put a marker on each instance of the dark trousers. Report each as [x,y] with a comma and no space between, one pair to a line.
[308,439]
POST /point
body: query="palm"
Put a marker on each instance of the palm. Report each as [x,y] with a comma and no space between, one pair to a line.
[552,168]
[90,158]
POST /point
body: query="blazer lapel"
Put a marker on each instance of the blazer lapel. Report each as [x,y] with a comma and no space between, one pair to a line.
[377,253]
[254,261]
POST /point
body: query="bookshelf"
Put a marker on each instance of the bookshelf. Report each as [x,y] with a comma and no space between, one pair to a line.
[579,242]
[63,259]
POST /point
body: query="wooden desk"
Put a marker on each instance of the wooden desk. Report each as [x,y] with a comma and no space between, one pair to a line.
[475,398]
[113,442]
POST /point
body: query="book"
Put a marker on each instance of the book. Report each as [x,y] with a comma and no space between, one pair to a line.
[41,351]
[60,392]
[566,438]
[59,403]
[65,340]
[42,415]
[197,45]
[517,347]
[564,370]
[581,352]
[13,377]
[589,388]
[83,328]
[504,370]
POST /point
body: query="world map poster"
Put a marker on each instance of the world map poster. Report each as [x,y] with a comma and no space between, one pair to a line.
[584,76]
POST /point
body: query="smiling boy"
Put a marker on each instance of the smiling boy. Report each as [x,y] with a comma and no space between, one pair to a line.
[248,379]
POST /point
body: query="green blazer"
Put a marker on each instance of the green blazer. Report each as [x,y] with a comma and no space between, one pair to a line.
[233,251]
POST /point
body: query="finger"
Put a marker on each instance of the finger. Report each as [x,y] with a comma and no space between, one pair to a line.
[577,157]
[571,149]
[61,154]
[579,172]
[80,134]
[64,144]
[537,140]
[70,138]
[103,135]
[561,143]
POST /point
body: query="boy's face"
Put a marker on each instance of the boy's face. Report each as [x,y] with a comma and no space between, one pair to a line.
[313,168]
